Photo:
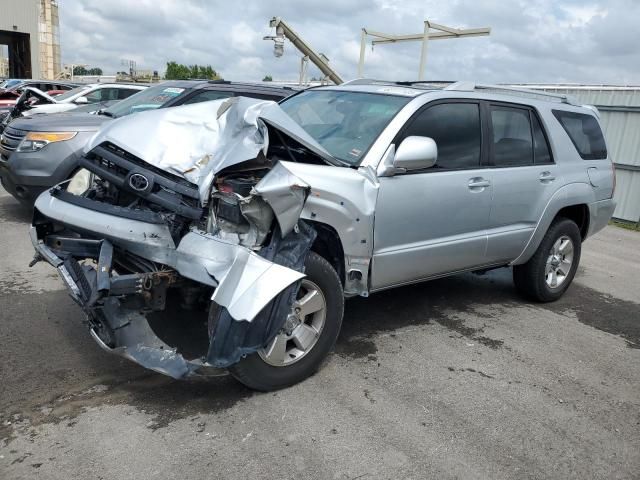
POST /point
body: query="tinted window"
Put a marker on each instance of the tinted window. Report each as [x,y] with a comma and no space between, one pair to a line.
[125,93]
[512,142]
[207,95]
[585,133]
[455,127]
[542,152]
[96,95]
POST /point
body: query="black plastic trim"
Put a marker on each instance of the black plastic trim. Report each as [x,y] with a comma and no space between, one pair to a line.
[116,211]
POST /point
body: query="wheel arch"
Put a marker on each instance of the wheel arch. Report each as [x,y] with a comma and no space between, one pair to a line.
[329,246]
[570,201]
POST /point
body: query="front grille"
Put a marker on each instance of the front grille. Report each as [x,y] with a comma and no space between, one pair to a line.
[158,187]
[10,139]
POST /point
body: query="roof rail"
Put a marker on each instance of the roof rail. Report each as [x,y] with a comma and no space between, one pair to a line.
[367,81]
[506,90]
[417,83]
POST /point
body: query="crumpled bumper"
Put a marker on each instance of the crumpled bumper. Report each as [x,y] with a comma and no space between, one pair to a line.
[118,330]
[245,282]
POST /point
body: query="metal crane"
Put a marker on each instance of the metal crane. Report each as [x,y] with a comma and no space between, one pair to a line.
[283,30]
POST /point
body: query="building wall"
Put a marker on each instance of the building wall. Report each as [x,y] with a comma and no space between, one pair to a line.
[24,15]
[49,38]
[38,18]
[620,117]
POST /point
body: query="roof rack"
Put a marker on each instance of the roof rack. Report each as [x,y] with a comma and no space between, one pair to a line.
[515,91]
[424,84]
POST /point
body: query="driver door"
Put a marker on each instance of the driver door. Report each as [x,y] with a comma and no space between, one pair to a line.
[434,221]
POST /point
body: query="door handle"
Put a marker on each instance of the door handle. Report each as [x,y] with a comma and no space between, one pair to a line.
[547,177]
[478,183]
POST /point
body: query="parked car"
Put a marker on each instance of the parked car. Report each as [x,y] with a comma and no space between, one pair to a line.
[10,94]
[94,93]
[40,151]
[9,82]
[284,210]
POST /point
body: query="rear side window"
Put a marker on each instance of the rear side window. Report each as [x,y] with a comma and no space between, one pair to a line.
[455,127]
[512,140]
[584,132]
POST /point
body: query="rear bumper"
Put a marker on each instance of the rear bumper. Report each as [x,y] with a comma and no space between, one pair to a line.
[600,214]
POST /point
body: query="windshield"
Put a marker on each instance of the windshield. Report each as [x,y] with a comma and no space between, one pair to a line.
[72,92]
[345,123]
[148,99]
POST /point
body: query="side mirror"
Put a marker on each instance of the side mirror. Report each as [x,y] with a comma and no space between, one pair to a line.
[81,101]
[416,153]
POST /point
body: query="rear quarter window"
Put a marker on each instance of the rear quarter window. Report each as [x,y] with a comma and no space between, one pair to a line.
[584,132]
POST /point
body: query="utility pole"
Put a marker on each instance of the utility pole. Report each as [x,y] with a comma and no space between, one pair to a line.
[440,32]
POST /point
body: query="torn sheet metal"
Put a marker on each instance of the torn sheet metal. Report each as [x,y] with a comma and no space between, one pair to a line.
[285,193]
[134,339]
[202,257]
[230,340]
[197,141]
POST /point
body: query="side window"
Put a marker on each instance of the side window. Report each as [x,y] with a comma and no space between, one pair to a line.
[455,127]
[541,150]
[123,93]
[95,96]
[207,95]
[584,132]
[512,141]
[110,94]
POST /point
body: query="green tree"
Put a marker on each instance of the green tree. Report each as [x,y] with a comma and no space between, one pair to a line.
[94,71]
[267,78]
[79,70]
[178,71]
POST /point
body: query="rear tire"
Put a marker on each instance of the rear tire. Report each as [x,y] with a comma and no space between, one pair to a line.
[258,372]
[550,271]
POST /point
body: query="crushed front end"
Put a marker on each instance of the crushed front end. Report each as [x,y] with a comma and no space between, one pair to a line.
[124,234]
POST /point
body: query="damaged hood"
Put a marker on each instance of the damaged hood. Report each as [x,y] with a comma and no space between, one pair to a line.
[197,141]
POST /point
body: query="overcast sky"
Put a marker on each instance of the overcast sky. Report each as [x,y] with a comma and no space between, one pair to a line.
[531,40]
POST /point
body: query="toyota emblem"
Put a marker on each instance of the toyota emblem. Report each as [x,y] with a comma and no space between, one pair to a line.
[138,182]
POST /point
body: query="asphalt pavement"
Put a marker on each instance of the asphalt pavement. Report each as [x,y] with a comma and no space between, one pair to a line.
[456,378]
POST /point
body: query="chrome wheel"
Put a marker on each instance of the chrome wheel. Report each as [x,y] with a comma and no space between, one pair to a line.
[301,330]
[559,262]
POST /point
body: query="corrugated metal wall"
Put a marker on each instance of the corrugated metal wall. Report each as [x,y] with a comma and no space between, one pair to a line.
[620,111]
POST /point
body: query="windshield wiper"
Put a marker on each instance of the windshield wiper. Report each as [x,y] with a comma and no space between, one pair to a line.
[106,113]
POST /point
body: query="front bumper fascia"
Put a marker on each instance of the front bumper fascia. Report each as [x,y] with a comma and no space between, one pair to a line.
[117,329]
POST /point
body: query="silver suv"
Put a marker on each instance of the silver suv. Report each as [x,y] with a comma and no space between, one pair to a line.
[268,215]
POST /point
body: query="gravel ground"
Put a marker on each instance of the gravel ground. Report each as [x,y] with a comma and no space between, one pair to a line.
[457,378]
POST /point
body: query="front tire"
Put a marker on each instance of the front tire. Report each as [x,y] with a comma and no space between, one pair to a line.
[307,337]
[550,271]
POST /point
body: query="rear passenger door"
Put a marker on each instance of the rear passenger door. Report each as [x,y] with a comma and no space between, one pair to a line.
[432,222]
[524,178]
